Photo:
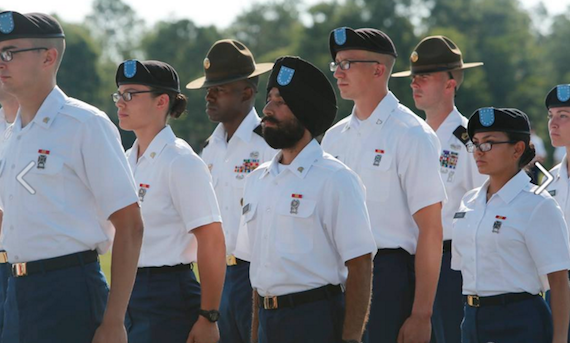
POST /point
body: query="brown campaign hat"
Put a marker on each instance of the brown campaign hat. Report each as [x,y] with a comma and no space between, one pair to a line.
[434,54]
[227,61]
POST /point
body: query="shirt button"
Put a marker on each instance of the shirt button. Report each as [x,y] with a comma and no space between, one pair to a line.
[268,209]
[226,208]
[11,227]
[11,197]
[16,257]
[18,137]
[13,166]
[227,184]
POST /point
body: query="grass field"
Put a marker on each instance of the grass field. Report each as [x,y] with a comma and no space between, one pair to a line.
[106,267]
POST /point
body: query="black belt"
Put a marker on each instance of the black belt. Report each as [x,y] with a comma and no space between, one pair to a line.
[389,251]
[501,299]
[165,269]
[447,246]
[62,262]
[295,299]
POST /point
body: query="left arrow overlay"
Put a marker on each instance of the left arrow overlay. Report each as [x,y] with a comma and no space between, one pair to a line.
[549,178]
[23,182]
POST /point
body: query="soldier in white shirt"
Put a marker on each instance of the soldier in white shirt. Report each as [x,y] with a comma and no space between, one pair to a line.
[64,180]
[305,222]
[510,243]
[180,211]
[8,113]
[558,106]
[437,73]
[396,155]
[234,150]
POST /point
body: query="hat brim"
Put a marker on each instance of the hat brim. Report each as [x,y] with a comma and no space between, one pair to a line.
[260,68]
[409,72]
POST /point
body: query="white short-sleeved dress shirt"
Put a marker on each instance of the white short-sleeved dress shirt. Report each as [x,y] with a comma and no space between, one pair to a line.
[176,196]
[558,188]
[396,154]
[73,176]
[3,126]
[457,167]
[302,224]
[229,163]
[510,243]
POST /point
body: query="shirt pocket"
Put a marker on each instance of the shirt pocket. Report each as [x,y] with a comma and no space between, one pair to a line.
[376,176]
[295,227]
[45,181]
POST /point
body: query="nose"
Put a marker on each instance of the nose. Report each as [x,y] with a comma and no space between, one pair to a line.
[121,103]
[414,83]
[210,97]
[552,123]
[338,73]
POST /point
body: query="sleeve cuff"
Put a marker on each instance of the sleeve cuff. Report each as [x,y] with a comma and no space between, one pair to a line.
[202,221]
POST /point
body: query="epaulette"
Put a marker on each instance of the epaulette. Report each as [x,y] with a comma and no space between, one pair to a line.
[462,135]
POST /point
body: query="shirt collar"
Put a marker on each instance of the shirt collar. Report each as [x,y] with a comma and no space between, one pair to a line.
[378,116]
[300,166]
[563,170]
[244,131]
[451,122]
[509,191]
[161,140]
[47,112]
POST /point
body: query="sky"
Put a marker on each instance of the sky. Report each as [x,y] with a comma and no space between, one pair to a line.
[220,13]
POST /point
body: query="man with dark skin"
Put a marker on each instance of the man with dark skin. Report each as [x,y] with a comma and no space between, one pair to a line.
[234,149]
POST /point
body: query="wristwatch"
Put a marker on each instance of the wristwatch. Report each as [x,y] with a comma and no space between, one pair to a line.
[212,315]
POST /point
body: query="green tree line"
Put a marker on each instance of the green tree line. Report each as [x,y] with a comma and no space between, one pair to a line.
[524,51]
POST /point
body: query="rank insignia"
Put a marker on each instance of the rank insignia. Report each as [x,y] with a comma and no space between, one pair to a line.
[42,159]
[300,169]
[254,154]
[210,166]
[552,192]
[245,209]
[378,157]
[142,191]
[414,57]
[247,166]
[207,63]
[459,215]
[497,226]
[295,203]
[448,159]
[465,136]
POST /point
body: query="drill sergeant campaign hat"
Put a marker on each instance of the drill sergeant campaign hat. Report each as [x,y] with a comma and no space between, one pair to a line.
[558,96]
[498,119]
[307,92]
[155,74]
[228,61]
[345,38]
[435,54]
[14,25]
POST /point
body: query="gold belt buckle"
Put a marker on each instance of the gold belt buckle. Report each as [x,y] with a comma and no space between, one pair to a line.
[231,260]
[473,301]
[270,303]
[19,269]
[3,257]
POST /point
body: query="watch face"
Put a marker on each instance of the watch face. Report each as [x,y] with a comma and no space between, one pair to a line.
[214,316]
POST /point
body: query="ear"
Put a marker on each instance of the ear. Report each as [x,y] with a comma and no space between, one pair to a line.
[248,93]
[162,102]
[50,57]
[451,85]
[519,149]
[379,69]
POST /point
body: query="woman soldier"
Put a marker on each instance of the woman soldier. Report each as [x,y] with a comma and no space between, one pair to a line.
[508,242]
[178,207]
[558,105]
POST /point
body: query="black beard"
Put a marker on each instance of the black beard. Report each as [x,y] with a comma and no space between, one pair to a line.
[285,135]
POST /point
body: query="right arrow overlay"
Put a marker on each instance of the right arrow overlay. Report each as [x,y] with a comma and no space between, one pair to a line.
[549,178]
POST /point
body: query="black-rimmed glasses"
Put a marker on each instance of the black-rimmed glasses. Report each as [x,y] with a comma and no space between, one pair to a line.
[127,96]
[484,147]
[345,64]
[8,55]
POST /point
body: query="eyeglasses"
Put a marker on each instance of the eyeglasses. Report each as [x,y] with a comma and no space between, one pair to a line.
[484,147]
[127,96]
[8,55]
[345,64]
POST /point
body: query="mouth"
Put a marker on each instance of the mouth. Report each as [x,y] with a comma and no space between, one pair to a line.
[122,115]
[480,162]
